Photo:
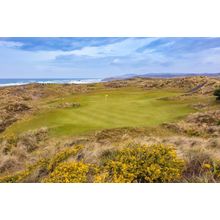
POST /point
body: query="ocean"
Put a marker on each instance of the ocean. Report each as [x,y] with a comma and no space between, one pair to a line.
[16,82]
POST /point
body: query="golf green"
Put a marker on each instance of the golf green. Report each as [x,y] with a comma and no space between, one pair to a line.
[106,109]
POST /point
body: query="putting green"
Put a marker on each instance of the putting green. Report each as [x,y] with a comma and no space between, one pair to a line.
[106,109]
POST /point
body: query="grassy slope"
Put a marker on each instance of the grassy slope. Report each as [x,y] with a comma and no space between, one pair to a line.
[122,108]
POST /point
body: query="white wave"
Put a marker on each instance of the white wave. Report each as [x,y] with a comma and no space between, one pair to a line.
[70,81]
[84,81]
[14,84]
[64,81]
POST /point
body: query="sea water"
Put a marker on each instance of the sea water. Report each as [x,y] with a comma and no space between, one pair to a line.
[15,82]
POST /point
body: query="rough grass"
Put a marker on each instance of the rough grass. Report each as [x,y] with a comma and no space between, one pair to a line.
[106,109]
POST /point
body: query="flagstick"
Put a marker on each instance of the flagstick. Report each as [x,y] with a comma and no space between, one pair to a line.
[106,96]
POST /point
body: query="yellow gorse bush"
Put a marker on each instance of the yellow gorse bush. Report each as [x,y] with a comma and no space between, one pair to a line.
[69,172]
[141,164]
[206,166]
[63,155]
[144,164]
[46,164]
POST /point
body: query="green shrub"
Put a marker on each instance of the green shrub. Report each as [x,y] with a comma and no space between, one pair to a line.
[142,164]
[217,94]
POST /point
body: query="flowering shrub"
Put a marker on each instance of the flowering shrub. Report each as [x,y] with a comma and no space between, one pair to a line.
[69,172]
[143,164]
[207,173]
[137,164]
[201,166]
[44,166]
[12,178]
[63,155]
[21,176]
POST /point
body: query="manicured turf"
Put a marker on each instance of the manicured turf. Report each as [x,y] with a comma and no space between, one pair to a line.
[106,109]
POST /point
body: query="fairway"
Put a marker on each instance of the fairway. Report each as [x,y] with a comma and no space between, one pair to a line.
[106,109]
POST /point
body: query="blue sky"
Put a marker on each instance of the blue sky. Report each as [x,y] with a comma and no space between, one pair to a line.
[105,57]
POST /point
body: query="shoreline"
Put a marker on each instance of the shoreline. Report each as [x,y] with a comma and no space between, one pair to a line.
[21,82]
[79,81]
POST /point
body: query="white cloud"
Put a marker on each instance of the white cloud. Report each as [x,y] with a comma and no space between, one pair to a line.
[10,44]
[115,61]
[125,48]
[122,48]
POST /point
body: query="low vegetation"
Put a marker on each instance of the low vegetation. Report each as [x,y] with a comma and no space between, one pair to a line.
[134,164]
[217,94]
[141,164]
[201,166]
[69,172]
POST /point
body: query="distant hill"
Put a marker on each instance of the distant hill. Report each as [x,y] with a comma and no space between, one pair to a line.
[127,76]
[160,75]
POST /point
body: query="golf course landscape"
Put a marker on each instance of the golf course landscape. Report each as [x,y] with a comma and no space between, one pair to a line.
[134,130]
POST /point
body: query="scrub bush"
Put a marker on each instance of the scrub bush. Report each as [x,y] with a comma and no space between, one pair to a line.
[217,94]
[200,166]
[63,155]
[42,167]
[143,164]
[69,172]
[137,164]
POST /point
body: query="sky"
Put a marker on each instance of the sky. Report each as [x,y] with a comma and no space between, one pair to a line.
[106,57]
